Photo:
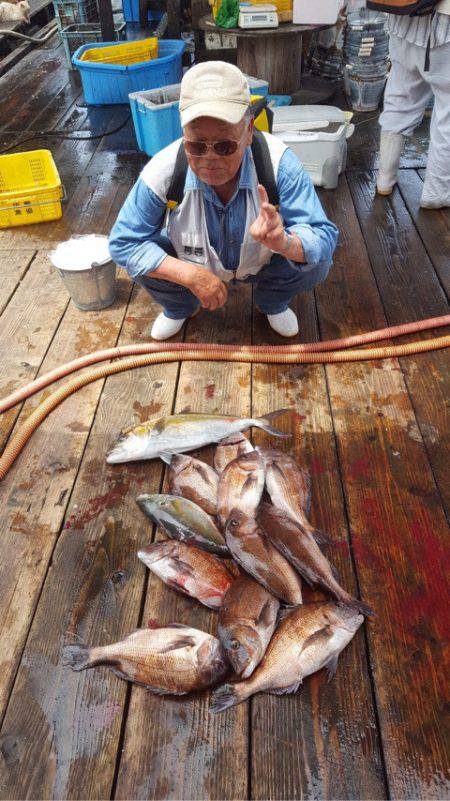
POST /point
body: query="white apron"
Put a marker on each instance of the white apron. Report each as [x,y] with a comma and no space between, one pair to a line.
[188,233]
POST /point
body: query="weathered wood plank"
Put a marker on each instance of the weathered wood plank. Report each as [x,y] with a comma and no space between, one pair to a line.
[322,742]
[409,290]
[398,528]
[30,523]
[68,725]
[14,266]
[28,326]
[431,225]
[174,748]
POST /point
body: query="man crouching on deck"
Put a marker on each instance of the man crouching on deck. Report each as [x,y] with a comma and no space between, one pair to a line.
[185,250]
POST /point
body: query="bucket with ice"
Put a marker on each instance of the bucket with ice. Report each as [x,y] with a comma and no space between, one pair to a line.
[87,271]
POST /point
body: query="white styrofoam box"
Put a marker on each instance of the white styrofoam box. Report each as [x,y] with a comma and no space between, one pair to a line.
[323,154]
[307,117]
[316,12]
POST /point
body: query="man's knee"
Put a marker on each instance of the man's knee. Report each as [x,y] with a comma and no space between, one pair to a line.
[297,278]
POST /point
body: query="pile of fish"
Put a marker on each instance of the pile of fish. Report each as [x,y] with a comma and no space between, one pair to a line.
[239,541]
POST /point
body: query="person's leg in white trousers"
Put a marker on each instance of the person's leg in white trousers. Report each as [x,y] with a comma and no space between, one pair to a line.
[408,91]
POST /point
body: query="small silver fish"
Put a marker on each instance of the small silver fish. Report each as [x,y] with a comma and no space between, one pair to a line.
[172,659]
[179,433]
[183,520]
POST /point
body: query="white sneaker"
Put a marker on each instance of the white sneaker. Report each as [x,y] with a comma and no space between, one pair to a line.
[430,203]
[285,323]
[391,148]
[164,327]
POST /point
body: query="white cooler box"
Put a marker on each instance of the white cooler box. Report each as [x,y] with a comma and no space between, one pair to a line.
[318,136]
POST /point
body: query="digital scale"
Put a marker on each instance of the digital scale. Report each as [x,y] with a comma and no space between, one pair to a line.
[257,16]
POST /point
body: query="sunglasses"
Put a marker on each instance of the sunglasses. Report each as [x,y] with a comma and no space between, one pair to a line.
[224,148]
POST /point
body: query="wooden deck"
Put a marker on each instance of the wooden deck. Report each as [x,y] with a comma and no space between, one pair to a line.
[374,435]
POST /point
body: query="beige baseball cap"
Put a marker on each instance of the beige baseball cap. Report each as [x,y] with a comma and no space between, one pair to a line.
[214,89]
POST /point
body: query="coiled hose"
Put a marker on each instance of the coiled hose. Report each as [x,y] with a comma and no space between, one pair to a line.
[315,353]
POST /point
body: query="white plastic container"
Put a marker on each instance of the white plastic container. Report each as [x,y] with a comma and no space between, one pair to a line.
[316,12]
[319,142]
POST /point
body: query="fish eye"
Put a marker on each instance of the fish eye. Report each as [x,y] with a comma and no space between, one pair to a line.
[235,645]
[233,522]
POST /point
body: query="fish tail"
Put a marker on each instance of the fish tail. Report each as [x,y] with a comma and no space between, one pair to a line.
[77,657]
[166,456]
[321,537]
[226,696]
[264,423]
[357,605]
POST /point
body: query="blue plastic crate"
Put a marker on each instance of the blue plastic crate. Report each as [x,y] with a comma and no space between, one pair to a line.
[278,100]
[131,12]
[156,115]
[105,84]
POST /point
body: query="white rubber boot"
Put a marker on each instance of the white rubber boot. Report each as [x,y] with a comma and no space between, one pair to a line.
[427,202]
[391,149]
[285,323]
[164,327]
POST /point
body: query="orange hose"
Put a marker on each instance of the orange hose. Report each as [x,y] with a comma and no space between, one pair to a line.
[202,353]
[153,347]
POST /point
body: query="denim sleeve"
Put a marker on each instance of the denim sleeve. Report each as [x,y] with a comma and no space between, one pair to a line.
[132,240]
[302,211]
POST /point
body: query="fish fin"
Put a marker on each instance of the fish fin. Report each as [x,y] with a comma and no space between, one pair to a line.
[248,484]
[307,479]
[276,413]
[159,426]
[321,538]
[274,431]
[175,626]
[76,657]
[265,616]
[293,688]
[183,642]
[166,456]
[179,564]
[331,666]
[154,690]
[321,634]
[224,697]
[283,612]
[357,605]
[335,572]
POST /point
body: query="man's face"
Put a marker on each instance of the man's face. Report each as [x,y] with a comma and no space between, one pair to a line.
[211,168]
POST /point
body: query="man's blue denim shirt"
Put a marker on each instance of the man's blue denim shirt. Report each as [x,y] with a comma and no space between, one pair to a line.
[141,219]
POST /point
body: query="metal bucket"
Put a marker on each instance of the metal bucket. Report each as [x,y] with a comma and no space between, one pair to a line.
[91,289]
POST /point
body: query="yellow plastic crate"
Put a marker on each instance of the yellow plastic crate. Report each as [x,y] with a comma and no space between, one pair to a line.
[30,189]
[125,53]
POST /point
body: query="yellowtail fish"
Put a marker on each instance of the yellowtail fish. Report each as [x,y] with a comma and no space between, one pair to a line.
[247,619]
[308,638]
[183,432]
[252,549]
[183,520]
[301,550]
[229,448]
[172,659]
[189,570]
[241,486]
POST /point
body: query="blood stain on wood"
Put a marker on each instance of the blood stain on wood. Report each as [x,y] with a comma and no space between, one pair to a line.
[147,411]
[109,500]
